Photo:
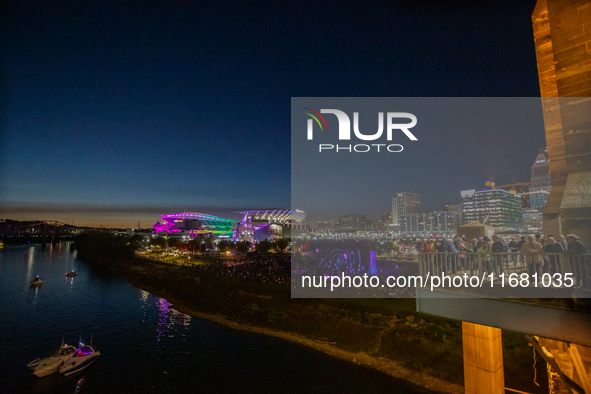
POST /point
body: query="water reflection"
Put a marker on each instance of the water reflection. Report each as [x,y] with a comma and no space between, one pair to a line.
[168,319]
[36,294]
[30,262]
[145,344]
[80,384]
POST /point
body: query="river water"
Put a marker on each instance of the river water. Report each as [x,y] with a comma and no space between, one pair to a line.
[146,345]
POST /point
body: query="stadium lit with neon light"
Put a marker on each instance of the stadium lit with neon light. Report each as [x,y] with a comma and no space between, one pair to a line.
[193,224]
[261,224]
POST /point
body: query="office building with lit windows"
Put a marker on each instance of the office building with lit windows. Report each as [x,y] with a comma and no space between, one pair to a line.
[540,181]
[352,222]
[404,203]
[498,208]
[532,221]
[429,223]
[452,207]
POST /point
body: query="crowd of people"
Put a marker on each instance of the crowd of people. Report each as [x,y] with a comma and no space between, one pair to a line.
[265,268]
[532,254]
[537,253]
[571,244]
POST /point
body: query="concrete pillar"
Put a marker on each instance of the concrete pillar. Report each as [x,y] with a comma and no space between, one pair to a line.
[483,359]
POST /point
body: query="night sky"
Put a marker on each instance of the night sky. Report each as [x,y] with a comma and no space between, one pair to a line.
[114,112]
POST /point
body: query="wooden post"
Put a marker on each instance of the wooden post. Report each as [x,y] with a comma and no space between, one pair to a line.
[483,359]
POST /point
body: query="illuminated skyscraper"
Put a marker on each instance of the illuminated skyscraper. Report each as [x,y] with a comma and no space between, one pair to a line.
[429,223]
[498,208]
[404,203]
[540,180]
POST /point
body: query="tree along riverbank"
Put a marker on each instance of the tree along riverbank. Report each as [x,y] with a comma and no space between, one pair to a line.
[385,334]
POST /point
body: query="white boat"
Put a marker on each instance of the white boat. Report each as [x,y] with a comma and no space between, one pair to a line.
[84,357]
[36,281]
[49,365]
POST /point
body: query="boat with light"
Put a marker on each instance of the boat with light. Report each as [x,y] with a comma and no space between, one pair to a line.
[49,365]
[36,281]
[85,356]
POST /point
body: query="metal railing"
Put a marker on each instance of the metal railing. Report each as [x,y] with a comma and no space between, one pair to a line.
[502,265]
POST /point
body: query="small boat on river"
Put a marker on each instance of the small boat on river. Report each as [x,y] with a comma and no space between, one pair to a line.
[50,365]
[36,281]
[85,356]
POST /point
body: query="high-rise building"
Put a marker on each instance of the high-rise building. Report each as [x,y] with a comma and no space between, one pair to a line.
[404,203]
[376,226]
[532,221]
[326,226]
[451,207]
[498,208]
[352,222]
[522,191]
[540,181]
[429,223]
[387,217]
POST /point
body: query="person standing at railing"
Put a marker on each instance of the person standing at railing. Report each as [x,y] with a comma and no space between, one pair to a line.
[471,248]
[498,246]
[462,247]
[456,242]
[519,244]
[531,253]
[441,258]
[575,252]
[575,246]
[561,240]
[513,246]
[452,260]
[485,250]
[425,248]
[514,249]
[552,263]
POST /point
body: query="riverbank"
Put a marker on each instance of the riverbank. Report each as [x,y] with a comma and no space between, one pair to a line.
[387,335]
[389,367]
[136,273]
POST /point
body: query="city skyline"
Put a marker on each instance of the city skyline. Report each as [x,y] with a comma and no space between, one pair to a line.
[235,215]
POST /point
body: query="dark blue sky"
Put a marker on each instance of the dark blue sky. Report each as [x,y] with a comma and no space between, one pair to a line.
[166,105]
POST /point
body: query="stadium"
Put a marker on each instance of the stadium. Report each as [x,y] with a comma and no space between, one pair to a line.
[192,224]
[262,224]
